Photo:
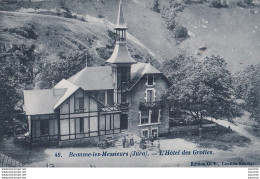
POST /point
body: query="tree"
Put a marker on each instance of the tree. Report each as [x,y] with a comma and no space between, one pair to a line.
[63,67]
[247,88]
[181,33]
[155,6]
[202,88]
[16,67]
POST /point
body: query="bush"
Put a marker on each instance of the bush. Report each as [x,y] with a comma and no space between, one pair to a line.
[181,33]
[218,4]
[155,6]
[100,15]
[245,3]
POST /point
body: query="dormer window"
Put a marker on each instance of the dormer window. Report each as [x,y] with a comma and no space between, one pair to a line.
[150,80]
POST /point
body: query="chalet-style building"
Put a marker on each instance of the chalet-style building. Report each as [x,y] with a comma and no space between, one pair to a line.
[124,95]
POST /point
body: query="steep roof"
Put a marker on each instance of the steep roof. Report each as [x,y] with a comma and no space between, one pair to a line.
[90,78]
[120,18]
[93,78]
[71,88]
[140,69]
[41,101]
[121,55]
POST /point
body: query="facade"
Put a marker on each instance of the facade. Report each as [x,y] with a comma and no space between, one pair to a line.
[124,95]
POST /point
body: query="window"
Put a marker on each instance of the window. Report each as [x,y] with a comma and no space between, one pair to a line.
[102,97]
[81,125]
[123,97]
[150,95]
[123,77]
[145,117]
[150,80]
[110,97]
[155,132]
[44,124]
[145,133]
[79,104]
[79,101]
[155,116]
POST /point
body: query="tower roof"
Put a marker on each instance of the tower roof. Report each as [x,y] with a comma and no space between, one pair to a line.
[121,55]
[120,18]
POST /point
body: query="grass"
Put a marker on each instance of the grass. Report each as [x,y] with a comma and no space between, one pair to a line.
[216,137]
[21,153]
[220,140]
[254,130]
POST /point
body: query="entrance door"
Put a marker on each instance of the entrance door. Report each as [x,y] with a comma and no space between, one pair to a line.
[123,121]
[155,133]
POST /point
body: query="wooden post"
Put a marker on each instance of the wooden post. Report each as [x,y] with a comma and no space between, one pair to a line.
[105,124]
[31,133]
[98,121]
[58,126]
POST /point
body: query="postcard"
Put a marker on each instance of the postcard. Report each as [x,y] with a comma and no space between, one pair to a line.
[117,83]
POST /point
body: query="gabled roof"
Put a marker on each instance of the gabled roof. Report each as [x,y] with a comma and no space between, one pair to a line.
[121,55]
[149,69]
[41,101]
[140,69]
[93,78]
[71,88]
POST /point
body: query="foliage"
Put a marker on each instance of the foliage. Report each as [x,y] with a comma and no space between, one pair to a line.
[155,6]
[16,66]
[169,14]
[181,33]
[219,4]
[64,67]
[201,88]
[247,88]
[177,68]
[245,3]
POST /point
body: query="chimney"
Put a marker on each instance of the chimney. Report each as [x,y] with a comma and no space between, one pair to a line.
[86,60]
[53,90]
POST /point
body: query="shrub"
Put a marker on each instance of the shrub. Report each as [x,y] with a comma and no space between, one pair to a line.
[218,4]
[100,15]
[155,6]
[181,32]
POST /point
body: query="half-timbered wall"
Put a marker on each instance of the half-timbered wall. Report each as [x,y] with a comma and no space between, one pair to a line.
[44,127]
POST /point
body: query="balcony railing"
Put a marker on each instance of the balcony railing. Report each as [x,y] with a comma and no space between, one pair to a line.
[148,105]
[114,107]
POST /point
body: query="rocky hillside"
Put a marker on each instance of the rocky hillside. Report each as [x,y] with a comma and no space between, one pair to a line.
[229,28]
[61,35]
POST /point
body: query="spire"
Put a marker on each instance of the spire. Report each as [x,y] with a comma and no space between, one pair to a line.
[121,54]
[120,18]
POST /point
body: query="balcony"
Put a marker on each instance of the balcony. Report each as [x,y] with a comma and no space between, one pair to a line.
[114,107]
[150,105]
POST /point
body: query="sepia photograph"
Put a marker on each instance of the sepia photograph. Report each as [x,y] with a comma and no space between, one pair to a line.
[129,83]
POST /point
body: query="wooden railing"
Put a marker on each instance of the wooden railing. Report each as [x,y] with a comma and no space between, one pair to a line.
[6,161]
[115,107]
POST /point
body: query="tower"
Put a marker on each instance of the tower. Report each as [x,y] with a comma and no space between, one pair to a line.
[121,61]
